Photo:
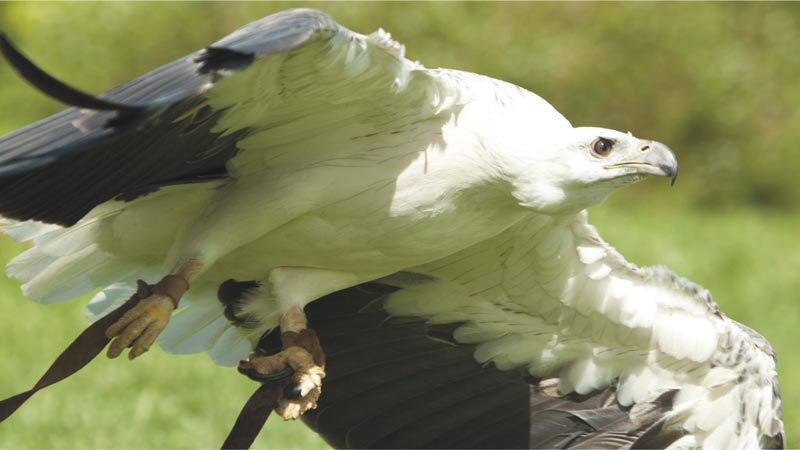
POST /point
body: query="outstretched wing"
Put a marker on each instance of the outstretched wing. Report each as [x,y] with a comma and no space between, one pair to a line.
[549,296]
[403,383]
[185,121]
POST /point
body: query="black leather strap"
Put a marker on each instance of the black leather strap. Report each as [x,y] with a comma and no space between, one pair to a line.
[254,415]
[92,341]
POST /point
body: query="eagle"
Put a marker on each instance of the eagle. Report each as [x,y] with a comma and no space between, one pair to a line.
[430,224]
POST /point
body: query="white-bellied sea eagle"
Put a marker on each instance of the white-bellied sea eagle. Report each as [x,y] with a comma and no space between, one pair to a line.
[294,159]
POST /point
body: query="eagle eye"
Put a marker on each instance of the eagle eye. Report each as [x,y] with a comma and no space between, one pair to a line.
[602,147]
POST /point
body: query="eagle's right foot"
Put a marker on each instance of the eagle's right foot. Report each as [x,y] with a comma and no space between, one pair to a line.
[302,356]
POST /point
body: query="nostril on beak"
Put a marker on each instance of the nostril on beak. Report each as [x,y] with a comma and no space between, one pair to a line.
[645,148]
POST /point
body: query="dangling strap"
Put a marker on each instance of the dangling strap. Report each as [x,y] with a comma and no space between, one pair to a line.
[93,339]
[254,415]
[78,354]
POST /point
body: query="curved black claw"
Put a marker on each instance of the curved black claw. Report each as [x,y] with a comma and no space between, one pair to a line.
[292,391]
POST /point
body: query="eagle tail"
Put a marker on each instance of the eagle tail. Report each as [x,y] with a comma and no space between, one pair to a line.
[62,266]
[64,263]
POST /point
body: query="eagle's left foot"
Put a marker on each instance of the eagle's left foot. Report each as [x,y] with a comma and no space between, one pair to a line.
[139,327]
[302,354]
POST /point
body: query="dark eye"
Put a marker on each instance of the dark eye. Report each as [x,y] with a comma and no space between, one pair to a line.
[602,147]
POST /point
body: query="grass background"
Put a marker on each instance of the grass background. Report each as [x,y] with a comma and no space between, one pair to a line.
[717,82]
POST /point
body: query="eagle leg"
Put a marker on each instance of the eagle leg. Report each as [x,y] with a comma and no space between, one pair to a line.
[302,353]
[140,326]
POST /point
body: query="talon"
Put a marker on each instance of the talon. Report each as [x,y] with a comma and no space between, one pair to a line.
[146,339]
[302,357]
[304,391]
[139,327]
[291,409]
[292,391]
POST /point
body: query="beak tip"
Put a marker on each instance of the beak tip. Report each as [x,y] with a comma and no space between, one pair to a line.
[670,170]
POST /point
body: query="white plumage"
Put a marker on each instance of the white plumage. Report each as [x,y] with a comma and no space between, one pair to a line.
[358,164]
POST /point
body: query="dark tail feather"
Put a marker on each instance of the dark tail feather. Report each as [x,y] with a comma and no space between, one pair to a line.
[231,293]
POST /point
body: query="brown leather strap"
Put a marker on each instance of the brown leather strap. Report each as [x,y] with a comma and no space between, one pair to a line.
[173,286]
[79,353]
[254,415]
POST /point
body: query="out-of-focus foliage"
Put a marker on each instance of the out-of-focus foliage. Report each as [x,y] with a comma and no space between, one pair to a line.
[718,82]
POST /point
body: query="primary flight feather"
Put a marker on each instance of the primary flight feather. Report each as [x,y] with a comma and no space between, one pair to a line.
[302,159]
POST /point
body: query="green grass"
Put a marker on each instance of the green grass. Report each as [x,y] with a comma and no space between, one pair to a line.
[747,257]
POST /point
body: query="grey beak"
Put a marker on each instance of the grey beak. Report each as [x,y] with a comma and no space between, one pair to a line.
[659,155]
[653,158]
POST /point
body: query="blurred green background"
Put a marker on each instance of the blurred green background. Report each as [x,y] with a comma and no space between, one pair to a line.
[718,82]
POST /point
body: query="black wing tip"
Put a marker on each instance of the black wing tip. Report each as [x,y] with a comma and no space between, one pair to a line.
[51,86]
[212,59]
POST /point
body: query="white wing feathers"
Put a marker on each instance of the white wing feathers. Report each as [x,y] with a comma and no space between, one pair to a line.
[550,295]
[326,92]
[307,102]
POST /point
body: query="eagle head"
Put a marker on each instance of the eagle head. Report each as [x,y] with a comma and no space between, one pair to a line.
[576,168]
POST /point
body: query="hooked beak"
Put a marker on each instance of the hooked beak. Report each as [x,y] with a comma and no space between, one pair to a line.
[654,158]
